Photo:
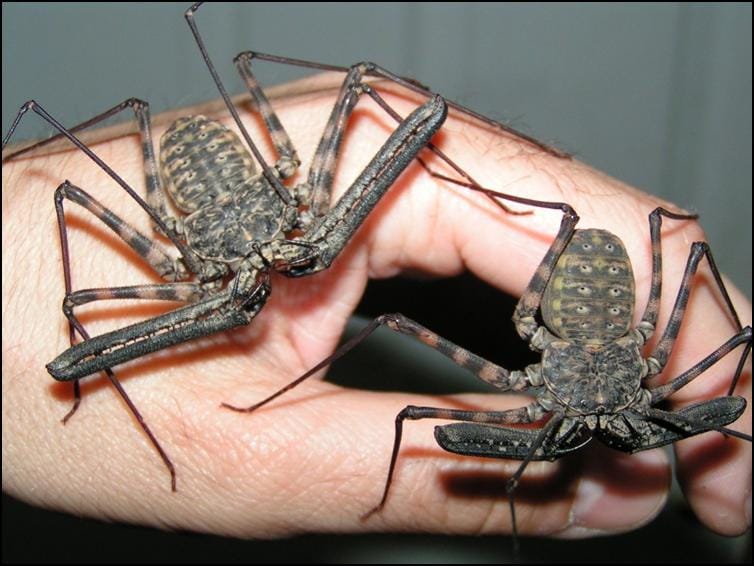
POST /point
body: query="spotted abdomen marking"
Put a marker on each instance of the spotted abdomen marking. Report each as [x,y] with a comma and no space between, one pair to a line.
[201,159]
[590,296]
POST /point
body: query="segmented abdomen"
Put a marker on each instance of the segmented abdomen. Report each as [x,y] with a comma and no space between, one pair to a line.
[590,296]
[201,159]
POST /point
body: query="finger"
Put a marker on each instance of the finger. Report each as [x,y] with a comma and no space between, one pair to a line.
[714,470]
[618,492]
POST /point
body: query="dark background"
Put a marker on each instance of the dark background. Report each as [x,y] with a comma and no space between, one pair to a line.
[659,97]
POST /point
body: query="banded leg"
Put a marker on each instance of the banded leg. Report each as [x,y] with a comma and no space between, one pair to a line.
[743,336]
[375,70]
[488,372]
[316,193]
[179,292]
[527,306]
[661,353]
[321,173]
[649,318]
[152,253]
[288,160]
[485,370]
[149,251]
[521,415]
[162,222]
[155,191]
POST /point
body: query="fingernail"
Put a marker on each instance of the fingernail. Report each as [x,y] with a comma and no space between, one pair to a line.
[588,495]
[598,509]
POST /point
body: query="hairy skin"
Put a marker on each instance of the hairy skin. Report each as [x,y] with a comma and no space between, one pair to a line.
[315,460]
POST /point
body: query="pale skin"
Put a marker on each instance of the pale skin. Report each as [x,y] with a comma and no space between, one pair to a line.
[316,459]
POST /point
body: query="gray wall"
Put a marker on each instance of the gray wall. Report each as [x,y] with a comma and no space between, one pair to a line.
[657,96]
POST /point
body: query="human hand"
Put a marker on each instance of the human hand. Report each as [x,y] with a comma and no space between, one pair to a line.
[316,460]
